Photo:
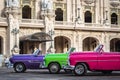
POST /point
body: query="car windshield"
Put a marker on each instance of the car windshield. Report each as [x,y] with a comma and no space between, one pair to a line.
[70,50]
[36,52]
[98,48]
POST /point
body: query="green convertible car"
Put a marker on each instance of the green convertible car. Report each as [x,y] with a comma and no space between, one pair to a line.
[54,62]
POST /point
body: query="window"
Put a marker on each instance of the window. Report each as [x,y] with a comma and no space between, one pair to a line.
[114,18]
[88,17]
[26,12]
[59,14]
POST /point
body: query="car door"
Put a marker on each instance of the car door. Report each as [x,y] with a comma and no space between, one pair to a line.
[108,61]
[36,61]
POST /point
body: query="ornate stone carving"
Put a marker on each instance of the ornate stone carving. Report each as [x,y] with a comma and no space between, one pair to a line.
[12,3]
[12,7]
[15,3]
[12,12]
[89,1]
[44,4]
[114,3]
[47,5]
[8,3]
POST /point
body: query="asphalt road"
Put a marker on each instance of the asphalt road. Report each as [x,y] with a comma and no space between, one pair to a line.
[9,74]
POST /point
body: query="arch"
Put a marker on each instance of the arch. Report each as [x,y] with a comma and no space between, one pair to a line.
[115,45]
[37,37]
[114,18]
[90,43]
[29,42]
[26,12]
[88,17]
[62,44]
[27,47]
[59,14]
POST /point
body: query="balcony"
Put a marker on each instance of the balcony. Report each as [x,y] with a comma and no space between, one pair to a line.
[31,22]
[3,22]
[65,25]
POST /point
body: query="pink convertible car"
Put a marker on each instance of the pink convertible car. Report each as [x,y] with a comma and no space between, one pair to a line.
[98,60]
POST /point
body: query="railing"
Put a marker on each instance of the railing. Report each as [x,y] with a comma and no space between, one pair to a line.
[77,25]
[92,25]
[3,20]
[62,24]
[115,26]
[31,21]
[114,0]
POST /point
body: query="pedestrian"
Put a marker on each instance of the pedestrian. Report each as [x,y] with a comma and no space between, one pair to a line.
[7,62]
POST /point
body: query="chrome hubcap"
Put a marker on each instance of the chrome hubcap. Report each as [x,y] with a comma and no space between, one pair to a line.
[19,67]
[79,69]
[54,68]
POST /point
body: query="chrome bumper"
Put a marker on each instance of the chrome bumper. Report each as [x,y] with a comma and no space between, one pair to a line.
[8,65]
[68,67]
[42,65]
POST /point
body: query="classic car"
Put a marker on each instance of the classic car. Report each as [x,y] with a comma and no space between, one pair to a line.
[54,62]
[97,60]
[21,62]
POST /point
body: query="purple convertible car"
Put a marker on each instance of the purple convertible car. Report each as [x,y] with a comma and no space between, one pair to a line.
[22,62]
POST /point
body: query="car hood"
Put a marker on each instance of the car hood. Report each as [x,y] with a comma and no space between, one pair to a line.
[84,52]
[22,55]
[26,55]
[56,54]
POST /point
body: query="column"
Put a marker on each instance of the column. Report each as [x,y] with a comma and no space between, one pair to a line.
[37,9]
[48,16]
[12,12]
[69,14]
[73,10]
[80,43]
[107,12]
[105,41]
[97,12]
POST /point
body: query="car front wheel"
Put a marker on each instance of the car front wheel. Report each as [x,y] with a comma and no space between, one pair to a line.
[80,69]
[54,68]
[19,67]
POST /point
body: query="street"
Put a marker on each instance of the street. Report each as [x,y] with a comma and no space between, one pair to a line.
[43,74]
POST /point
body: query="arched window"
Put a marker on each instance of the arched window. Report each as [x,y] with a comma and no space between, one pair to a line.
[62,44]
[59,14]
[90,43]
[26,12]
[88,17]
[114,19]
[115,45]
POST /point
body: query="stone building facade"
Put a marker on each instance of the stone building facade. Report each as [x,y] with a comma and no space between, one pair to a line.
[82,24]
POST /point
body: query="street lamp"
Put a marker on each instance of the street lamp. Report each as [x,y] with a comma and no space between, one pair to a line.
[77,19]
[78,14]
[106,15]
[51,32]
[15,31]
